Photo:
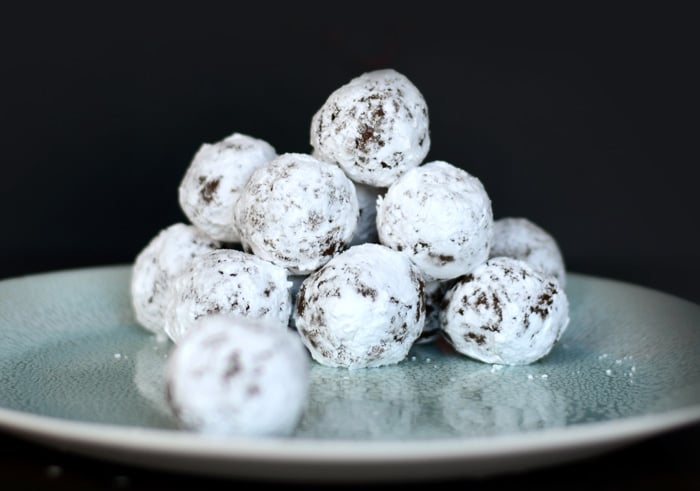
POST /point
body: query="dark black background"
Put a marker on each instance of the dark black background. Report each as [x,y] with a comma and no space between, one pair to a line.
[582,120]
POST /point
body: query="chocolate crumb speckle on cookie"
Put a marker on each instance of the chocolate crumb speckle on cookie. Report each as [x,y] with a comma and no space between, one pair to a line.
[375,127]
[297,212]
[505,312]
[364,308]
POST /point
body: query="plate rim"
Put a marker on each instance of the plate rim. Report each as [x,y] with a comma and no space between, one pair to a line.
[183,442]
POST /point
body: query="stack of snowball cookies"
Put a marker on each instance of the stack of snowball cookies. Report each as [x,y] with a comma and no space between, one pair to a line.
[346,256]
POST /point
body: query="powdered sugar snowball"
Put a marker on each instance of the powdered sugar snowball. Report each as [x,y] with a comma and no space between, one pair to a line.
[364,308]
[214,179]
[375,127]
[297,212]
[228,281]
[440,216]
[165,256]
[521,238]
[505,312]
[233,375]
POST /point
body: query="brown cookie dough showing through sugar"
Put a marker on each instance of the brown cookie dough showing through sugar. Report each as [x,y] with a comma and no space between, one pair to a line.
[375,127]
[365,308]
[232,375]
[521,238]
[214,180]
[297,212]
[505,313]
[165,257]
[228,281]
[440,216]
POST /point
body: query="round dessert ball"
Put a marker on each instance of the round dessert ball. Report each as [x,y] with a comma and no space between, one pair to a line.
[214,179]
[297,212]
[165,256]
[440,216]
[228,281]
[505,313]
[364,308]
[375,127]
[522,239]
[238,376]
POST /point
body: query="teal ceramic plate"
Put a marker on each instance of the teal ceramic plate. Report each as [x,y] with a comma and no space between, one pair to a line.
[76,372]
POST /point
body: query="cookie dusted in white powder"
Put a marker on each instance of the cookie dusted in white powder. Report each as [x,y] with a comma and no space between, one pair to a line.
[521,238]
[228,281]
[166,256]
[375,127]
[237,376]
[440,216]
[214,179]
[505,313]
[297,212]
[365,308]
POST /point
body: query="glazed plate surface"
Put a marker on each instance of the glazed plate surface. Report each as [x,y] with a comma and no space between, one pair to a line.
[77,372]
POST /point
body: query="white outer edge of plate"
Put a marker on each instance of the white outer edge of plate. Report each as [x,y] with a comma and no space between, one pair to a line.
[341,460]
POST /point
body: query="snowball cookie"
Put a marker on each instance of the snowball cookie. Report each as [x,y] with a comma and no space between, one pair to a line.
[505,312]
[440,216]
[365,308]
[166,256]
[214,180]
[375,127]
[297,212]
[522,239]
[238,376]
[367,225]
[228,281]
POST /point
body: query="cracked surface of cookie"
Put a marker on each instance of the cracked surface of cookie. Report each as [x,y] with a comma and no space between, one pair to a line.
[214,180]
[375,127]
[228,281]
[521,238]
[440,216]
[365,308]
[505,313]
[232,375]
[157,265]
[297,212]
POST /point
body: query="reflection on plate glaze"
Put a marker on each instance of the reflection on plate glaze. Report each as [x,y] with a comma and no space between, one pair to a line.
[149,373]
[483,401]
[433,393]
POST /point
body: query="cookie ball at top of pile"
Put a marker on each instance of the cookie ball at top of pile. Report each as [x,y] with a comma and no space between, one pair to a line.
[440,216]
[232,375]
[214,180]
[375,127]
[297,212]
